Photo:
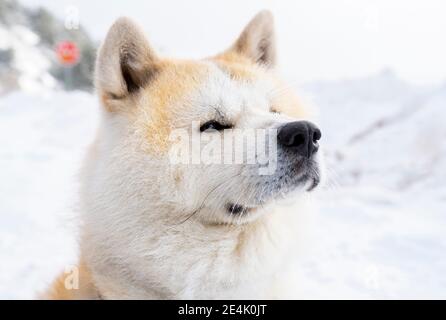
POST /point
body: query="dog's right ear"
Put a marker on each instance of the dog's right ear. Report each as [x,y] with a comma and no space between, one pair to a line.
[125,61]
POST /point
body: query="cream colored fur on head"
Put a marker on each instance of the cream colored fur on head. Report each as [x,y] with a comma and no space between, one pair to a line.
[151,229]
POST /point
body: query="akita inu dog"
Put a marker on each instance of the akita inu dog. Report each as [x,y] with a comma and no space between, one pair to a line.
[154,229]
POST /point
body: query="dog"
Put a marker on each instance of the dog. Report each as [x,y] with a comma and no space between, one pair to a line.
[154,229]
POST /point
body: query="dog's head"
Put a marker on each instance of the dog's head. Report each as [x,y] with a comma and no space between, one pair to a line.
[218,139]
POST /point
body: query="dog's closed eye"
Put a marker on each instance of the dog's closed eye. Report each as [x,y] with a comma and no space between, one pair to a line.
[214,125]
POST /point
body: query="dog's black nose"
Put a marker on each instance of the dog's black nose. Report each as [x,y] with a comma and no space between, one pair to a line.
[301,136]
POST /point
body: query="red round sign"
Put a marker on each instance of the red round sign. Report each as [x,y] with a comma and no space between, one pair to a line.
[67,53]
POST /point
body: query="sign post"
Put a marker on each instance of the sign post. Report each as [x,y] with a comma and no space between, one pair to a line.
[68,55]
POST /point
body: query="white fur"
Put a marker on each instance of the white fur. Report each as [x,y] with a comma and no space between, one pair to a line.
[139,238]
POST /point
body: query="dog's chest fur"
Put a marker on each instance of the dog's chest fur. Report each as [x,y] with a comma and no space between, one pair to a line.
[195,261]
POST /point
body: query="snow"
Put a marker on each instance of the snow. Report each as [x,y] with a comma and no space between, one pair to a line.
[43,138]
[382,228]
[381,231]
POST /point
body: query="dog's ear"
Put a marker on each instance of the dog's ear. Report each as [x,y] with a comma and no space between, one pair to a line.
[257,41]
[125,61]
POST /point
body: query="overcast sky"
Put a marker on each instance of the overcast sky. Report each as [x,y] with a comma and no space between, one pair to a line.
[318,39]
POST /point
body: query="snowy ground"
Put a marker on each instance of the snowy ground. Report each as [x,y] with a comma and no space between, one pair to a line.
[42,140]
[382,229]
[381,232]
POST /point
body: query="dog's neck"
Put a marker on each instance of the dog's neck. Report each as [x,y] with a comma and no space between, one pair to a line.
[193,259]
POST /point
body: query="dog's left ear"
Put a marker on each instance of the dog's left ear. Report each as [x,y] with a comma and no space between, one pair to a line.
[125,61]
[257,41]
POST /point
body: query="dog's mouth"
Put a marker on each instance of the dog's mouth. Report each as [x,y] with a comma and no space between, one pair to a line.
[238,209]
[278,189]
